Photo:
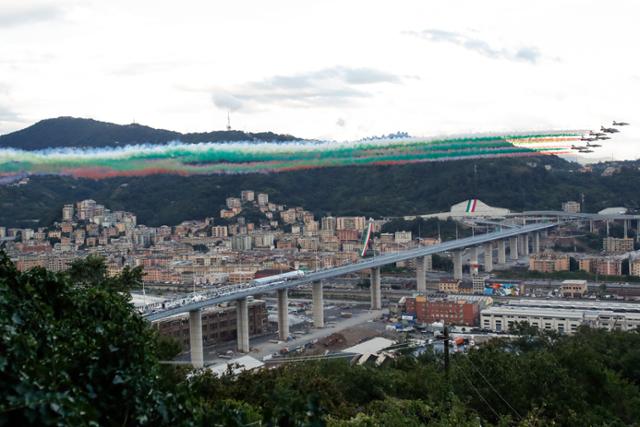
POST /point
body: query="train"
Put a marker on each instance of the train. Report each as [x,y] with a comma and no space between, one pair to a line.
[290,275]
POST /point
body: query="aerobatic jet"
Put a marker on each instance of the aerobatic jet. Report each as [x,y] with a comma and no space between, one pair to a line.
[620,123]
[609,130]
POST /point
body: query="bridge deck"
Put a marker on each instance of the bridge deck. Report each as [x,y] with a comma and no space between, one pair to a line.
[378,261]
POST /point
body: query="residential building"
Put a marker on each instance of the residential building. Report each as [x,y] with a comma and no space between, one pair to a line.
[263,199]
[233,202]
[571,207]
[573,288]
[402,236]
[67,213]
[247,195]
[634,266]
[449,286]
[479,284]
[549,262]
[241,242]
[350,223]
[617,245]
[328,223]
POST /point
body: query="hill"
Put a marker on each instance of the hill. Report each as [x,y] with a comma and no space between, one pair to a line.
[78,132]
[376,191]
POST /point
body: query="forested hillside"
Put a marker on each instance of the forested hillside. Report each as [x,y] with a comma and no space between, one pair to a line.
[360,190]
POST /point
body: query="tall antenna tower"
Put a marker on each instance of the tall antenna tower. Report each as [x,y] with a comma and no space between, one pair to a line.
[228,121]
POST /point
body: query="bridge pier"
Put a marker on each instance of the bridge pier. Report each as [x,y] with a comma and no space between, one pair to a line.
[242,313]
[525,244]
[488,257]
[502,252]
[283,314]
[428,262]
[536,242]
[376,295]
[195,338]
[513,248]
[457,264]
[317,300]
[591,226]
[607,223]
[626,228]
[421,278]
[473,268]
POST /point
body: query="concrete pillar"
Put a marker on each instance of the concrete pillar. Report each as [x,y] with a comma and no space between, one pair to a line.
[488,257]
[525,244]
[428,262]
[626,229]
[513,248]
[195,338]
[607,222]
[502,252]
[242,314]
[376,294]
[318,305]
[457,264]
[536,242]
[473,268]
[421,271]
[590,226]
[283,314]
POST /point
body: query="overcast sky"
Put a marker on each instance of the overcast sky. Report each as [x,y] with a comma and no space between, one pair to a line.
[330,69]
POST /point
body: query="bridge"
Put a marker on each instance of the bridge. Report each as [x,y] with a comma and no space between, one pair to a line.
[516,237]
[606,218]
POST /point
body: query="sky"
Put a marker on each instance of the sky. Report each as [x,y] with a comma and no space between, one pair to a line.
[326,70]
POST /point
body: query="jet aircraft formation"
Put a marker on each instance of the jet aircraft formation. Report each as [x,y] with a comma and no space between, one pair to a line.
[602,135]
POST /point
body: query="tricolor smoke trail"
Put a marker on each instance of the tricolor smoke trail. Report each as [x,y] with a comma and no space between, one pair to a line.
[250,157]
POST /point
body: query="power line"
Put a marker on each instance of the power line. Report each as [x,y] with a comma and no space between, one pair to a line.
[480,394]
[494,389]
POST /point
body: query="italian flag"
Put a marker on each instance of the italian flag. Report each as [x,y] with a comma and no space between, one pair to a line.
[366,239]
[471,205]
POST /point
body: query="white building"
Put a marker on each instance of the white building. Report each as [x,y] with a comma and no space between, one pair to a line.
[564,317]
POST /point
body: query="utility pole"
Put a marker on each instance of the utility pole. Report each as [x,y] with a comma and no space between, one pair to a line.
[446,351]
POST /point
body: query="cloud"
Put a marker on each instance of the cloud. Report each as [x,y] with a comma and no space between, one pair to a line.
[13,17]
[328,86]
[523,54]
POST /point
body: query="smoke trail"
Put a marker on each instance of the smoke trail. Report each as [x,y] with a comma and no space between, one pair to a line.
[250,157]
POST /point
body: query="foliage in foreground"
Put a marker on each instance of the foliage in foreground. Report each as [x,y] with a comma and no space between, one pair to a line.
[74,352]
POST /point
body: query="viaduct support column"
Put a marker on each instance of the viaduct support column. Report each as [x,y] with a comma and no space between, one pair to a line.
[473,268]
[242,313]
[536,242]
[421,278]
[626,229]
[195,338]
[513,248]
[525,244]
[488,257]
[457,264]
[283,314]
[590,226]
[318,305]
[428,262]
[502,252]
[607,222]
[376,295]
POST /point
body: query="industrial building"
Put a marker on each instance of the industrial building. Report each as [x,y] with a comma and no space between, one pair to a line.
[219,324]
[454,311]
[563,316]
